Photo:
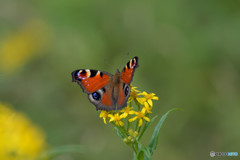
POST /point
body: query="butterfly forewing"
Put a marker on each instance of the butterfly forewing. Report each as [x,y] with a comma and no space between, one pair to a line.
[128,70]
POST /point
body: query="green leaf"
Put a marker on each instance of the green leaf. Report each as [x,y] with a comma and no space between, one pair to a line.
[140,155]
[119,133]
[147,153]
[145,127]
[144,154]
[154,140]
[57,151]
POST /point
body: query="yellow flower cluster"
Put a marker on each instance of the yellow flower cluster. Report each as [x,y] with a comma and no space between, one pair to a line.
[123,120]
[144,102]
[19,138]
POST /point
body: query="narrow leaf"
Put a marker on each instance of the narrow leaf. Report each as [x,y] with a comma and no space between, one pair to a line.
[140,155]
[119,133]
[120,130]
[154,140]
[147,153]
[144,154]
[145,127]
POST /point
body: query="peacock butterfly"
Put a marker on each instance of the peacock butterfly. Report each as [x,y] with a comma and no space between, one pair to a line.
[107,91]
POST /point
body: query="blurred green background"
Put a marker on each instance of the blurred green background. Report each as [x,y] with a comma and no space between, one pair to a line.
[189,55]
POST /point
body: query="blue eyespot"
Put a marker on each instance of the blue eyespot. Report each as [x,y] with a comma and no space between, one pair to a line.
[126,90]
[96,96]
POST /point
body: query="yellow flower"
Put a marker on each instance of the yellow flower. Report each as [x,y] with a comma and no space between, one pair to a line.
[134,88]
[117,119]
[147,98]
[147,108]
[19,138]
[126,111]
[104,115]
[133,94]
[139,115]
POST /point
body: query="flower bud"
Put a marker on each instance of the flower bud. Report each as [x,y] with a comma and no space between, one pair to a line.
[125,140]
[135,134]
[130,131]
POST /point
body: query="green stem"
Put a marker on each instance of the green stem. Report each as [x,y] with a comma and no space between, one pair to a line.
[138,107]
[141,134]
[139,129]
[134,148]
[136,126]
[122,129]
[127,123]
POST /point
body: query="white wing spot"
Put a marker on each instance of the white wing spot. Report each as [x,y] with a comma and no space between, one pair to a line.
[88,72]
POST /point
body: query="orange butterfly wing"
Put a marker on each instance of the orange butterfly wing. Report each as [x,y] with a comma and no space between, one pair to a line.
[126,78]
[128,70]
[93,82]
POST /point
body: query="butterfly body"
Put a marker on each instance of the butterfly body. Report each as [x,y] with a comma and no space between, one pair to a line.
[106,91]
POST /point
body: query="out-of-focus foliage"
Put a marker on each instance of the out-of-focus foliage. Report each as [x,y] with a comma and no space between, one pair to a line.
[18,48]
[188,55]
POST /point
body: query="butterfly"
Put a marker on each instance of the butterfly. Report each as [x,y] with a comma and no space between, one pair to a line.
[107,91]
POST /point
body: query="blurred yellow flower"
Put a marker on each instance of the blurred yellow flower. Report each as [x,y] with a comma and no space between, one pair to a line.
[147,98]
[104,115]
[19,138]
[140,116]
[126,111]
[116,118]
[18,48]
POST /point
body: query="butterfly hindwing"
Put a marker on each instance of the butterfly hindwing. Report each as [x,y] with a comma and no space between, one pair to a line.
[124,93]
[102,99]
